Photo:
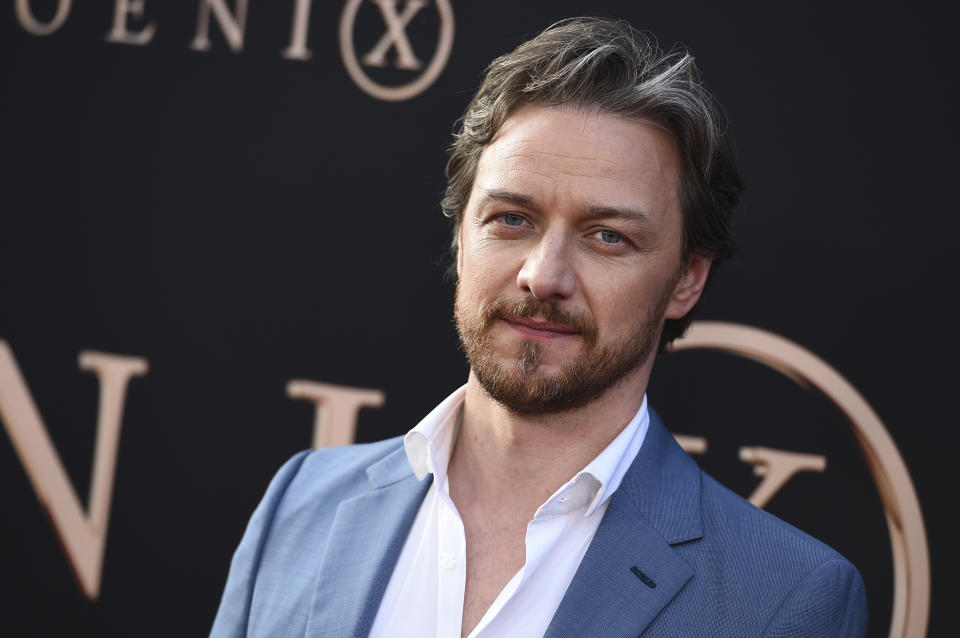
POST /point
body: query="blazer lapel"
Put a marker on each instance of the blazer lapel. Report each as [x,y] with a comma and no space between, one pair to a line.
[630,572]
[366,537]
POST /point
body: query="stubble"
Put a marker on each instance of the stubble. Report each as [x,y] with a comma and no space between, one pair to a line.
[522,385]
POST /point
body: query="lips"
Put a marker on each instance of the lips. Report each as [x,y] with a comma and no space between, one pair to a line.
[540,329]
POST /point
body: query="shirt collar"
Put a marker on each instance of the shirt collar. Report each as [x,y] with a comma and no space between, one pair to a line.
[428,447]
[595,483]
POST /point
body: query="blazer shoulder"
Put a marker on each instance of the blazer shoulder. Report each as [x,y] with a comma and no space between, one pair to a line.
[788,578]
[740,523]
[308,488]
[829,602]
[278,556]
[341,470]
[347,459]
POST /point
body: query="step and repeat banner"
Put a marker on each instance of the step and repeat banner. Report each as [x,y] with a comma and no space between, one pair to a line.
[221,243]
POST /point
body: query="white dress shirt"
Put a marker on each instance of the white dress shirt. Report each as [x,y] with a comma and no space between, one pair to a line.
[424,597]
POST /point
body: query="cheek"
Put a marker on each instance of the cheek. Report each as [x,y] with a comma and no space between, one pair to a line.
[480,270]
[617,303]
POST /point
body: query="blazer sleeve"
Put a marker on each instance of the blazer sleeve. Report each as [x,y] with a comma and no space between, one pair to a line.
[830,602]
[234,611]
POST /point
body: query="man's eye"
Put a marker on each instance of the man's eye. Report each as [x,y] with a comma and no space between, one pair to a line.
[610,237]
[512,219]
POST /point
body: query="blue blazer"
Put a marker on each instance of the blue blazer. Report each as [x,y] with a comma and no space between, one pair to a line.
[321,546]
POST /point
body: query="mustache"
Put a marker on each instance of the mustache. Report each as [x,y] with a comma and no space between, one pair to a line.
[501,308]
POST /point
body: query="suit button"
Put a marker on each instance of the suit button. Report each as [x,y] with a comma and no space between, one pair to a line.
[447,560]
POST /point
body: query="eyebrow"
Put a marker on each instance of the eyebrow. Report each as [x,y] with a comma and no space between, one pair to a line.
[615,212]
[507,197]
[597,211]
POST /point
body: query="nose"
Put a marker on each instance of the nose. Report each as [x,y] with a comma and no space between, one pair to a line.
[547,270]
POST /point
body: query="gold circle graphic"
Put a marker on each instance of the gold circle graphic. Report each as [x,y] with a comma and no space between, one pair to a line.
[908,538]
[404,91]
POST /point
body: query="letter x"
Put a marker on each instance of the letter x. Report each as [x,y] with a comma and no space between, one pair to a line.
[396,35]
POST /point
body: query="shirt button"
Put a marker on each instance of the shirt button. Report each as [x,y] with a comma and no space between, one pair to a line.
[447,560]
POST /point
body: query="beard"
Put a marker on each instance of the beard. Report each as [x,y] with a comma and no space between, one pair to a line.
[522,386]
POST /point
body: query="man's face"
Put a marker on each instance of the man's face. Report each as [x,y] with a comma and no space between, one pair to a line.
[570,257]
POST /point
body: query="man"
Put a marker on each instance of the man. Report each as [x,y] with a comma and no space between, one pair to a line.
[590,188]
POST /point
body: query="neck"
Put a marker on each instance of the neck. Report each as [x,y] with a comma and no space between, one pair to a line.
[519,461]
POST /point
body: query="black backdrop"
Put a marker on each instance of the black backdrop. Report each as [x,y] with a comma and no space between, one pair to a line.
[240,219]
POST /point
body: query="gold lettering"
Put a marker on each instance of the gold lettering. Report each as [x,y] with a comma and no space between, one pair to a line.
[34,26]
[121,33]
[233,25]
[692,444]
[908,535]
[777,467]
[396,35]
[83,534]
[337,407]
[298,33]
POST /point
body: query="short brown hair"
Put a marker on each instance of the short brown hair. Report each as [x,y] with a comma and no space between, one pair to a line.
[609,66]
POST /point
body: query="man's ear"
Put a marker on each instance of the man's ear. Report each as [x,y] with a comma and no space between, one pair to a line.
[688,289]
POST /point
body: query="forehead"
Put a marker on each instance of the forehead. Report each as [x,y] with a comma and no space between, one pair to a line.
[560,155]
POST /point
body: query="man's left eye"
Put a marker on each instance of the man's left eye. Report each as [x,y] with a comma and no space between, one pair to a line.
[610,237]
